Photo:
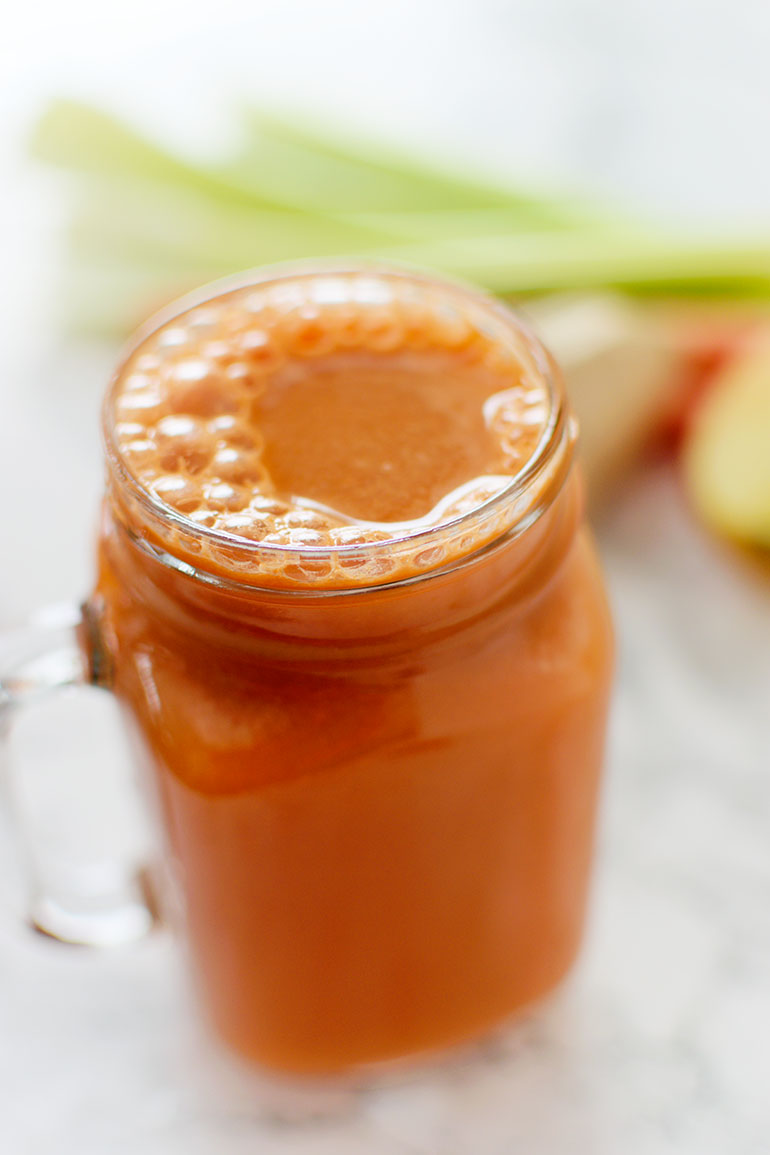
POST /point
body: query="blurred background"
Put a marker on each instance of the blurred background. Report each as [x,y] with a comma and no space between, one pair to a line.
[602,165]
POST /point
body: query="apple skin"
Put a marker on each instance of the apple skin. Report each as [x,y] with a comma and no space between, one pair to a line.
[726,451]
[704,347]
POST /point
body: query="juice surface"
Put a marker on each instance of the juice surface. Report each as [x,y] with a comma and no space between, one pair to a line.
[378,799]
[378,442]
[296,422]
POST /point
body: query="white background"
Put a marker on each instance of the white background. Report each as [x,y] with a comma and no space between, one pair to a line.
[660,1043]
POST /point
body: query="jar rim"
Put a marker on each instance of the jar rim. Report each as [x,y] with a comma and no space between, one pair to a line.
[553,451]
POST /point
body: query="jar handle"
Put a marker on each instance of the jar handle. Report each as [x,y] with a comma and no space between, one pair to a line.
[96,904]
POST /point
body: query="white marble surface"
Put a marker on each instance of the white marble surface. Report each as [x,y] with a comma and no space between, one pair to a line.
[660,1042]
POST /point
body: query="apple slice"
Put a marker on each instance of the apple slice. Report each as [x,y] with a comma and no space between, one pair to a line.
[727,450]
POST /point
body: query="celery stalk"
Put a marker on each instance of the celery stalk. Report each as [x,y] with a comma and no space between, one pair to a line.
[109,299]
[130,218]
[316,171]
[150,224]
[76,136]
[535,262]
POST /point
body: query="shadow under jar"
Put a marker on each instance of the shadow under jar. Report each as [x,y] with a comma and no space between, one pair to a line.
[348,603]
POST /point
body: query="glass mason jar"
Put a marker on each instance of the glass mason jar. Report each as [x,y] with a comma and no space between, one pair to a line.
[375,764]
